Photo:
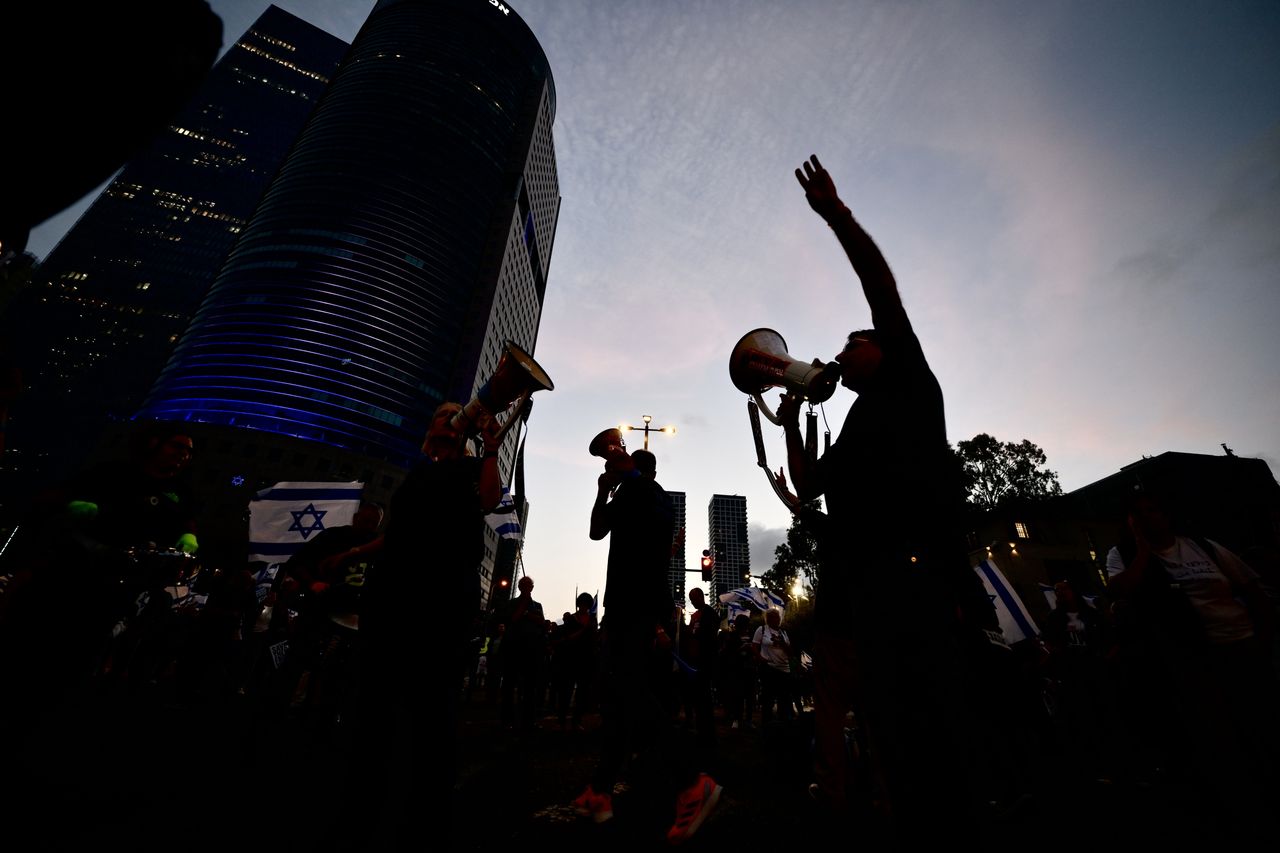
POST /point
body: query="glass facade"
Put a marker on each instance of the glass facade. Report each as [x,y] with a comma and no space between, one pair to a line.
[405,238]
[727,528]
[115,295]
[676,570]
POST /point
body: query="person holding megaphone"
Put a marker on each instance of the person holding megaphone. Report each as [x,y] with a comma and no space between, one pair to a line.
[895,579]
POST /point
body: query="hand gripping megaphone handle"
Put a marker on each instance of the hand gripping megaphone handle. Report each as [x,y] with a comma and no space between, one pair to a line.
[791,501]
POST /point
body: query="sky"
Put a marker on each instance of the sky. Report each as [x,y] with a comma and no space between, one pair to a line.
[1080,202]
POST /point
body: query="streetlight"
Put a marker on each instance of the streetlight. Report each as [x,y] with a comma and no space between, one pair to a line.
[648,419]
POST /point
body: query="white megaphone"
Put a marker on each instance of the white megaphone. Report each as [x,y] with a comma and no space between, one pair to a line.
[760,361]
[515,378]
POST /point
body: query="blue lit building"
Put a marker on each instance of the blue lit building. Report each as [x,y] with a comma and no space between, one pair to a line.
[406,237]
[111,300]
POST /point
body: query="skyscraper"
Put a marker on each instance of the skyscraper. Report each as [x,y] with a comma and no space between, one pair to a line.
[115,294]
[407,236]
[677,569]
[727,530]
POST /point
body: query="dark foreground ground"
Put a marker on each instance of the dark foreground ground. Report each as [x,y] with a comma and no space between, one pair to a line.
[152,775]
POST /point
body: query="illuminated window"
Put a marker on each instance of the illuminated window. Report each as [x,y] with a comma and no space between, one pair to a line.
[1021,529]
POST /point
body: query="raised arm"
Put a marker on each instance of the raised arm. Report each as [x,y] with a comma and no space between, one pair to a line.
[878,284]
[600,509]
[804,472]
[490,477]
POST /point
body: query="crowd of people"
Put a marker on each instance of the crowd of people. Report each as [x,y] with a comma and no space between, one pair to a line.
[899,723]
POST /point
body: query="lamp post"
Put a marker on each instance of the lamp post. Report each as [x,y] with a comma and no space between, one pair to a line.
[647,428]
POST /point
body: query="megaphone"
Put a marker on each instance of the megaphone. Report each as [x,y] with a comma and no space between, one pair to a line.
[615,462]
[760,361]
[516,377]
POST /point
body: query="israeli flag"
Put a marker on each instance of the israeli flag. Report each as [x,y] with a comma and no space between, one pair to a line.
[503,518]
[733,608]
[1015,622]
[760,599]
[286,516]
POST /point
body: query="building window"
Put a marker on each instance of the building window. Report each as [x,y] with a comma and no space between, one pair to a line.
[1021,529]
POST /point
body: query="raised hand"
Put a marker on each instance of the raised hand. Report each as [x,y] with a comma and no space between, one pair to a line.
[820,190]
[789,408]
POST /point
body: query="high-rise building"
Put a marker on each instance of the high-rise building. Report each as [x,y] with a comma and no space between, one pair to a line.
[112,298]
[405,239]
[727,530]
[677,569]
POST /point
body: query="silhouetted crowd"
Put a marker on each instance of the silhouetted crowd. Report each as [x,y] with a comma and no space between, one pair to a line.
[914,713]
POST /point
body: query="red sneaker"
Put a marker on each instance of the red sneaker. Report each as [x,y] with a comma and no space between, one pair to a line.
[692,807]
[598,807]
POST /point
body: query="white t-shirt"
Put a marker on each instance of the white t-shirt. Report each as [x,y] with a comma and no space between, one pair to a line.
[1206,586]
[774,655]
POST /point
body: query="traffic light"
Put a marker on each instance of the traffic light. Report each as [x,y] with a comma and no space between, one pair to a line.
[708,564]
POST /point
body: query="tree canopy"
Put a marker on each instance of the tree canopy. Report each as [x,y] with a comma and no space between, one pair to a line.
[996,472]
[798,555]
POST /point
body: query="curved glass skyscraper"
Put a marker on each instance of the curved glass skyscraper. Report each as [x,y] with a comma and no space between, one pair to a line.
[407,235]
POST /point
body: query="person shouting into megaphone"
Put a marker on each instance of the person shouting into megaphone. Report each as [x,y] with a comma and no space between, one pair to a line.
[893,494]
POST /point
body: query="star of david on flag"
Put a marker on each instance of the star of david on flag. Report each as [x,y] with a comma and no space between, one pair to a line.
[284,517]
[316,524]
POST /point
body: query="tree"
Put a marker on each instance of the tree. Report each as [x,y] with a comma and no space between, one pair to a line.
[996,472]
[798,555]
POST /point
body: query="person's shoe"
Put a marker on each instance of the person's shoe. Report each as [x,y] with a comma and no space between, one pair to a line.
[692,807]
[598,807]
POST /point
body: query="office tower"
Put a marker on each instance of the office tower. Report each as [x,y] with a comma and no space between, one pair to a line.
[677,569]
[112,298]
[407,236]
[727,530]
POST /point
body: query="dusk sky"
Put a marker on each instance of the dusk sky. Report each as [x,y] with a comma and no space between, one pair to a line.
[1080,201]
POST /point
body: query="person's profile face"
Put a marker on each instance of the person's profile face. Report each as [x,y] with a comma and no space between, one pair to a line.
[1151,520]
[859,361]
[441,432]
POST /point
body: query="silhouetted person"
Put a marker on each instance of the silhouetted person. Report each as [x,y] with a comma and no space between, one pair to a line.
[637,648]
[704,632]
[738,673]
[771,646]
[324,591]
[1079,640]
[524,651]
[575,656]
[901,573]
[413,650]
[1203,623]
[96,544]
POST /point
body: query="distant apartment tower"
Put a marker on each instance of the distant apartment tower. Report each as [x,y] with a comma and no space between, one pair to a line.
[727,531]
[406,237]
[677,569]
[112,298]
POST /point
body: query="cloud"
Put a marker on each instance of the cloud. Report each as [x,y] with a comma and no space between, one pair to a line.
[762,541]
